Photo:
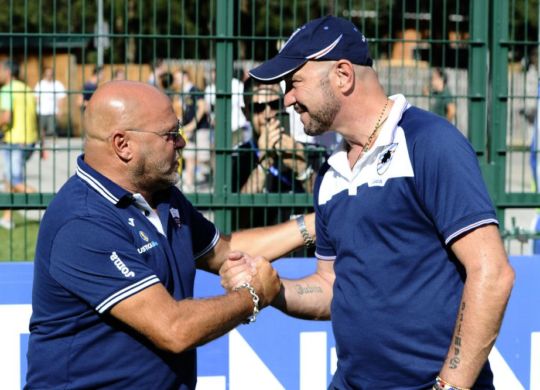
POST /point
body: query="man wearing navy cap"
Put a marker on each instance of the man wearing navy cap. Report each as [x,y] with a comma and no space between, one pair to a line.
[411,267]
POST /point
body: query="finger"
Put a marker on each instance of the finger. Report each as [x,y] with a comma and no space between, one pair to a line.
[228,265]
[235,255]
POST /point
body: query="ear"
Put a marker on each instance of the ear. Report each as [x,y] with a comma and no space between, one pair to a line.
[344,72]
[122,145]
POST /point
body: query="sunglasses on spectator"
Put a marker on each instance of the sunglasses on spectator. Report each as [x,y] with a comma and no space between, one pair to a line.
[173,136]
[275,105]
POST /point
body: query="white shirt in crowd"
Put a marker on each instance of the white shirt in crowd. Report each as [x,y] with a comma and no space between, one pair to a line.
[48,95]
[238,119]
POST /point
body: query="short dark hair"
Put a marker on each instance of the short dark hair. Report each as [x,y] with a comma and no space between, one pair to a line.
[250,85]
[166,80]
[97,69]
[12,66]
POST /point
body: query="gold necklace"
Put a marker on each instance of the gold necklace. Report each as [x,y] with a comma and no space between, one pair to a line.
[377,127]
[373,133]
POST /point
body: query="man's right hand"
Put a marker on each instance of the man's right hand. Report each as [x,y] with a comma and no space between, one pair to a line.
[240,268]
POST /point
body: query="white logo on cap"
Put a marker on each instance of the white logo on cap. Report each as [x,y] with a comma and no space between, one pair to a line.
[326,50]
[291,37]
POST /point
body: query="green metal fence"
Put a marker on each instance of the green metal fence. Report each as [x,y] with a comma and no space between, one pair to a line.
[486,48]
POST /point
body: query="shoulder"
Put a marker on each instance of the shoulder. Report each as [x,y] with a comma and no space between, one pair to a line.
[424,126]
[431,135]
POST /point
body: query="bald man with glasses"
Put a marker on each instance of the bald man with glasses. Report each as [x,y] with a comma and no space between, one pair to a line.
[117,253]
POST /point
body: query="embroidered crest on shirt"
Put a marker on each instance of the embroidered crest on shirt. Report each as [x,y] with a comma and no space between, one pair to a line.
[143,235]
[385,157]
[176,216]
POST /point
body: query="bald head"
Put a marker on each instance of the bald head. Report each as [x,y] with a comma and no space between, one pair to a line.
[122,105]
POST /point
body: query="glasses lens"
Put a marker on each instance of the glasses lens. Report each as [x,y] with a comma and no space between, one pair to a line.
[274,105]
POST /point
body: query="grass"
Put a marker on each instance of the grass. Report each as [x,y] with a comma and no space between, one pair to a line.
[19,244]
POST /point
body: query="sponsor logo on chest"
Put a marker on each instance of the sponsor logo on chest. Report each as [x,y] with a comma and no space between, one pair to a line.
[149,244]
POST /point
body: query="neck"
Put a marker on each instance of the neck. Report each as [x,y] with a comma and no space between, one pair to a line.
[361,149]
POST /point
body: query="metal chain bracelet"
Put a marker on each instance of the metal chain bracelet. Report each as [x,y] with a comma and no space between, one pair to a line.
[309,241]
[254,298]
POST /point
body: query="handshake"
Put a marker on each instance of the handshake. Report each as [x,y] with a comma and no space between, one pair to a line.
[255,274]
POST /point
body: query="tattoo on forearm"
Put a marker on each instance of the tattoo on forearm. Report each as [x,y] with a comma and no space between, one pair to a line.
[302,290]
[455,360]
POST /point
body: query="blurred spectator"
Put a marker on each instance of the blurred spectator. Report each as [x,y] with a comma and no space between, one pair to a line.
[159,67]
[196,124]
[239,124]
[50,97]
[272,161]
[442,102]
[91,85]
[18,123]
[119,74]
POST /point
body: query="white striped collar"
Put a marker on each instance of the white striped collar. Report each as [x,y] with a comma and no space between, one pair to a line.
[103,186]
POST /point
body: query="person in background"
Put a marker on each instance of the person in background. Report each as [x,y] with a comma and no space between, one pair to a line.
[272,161]
[411,268]
[18,123]
[239,124]
[119,74]
[50,98]
[196,124]
[159,66]
[117,253]
[90,85]
[441,99]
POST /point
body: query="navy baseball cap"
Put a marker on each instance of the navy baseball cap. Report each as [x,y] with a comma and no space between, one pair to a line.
[327,38]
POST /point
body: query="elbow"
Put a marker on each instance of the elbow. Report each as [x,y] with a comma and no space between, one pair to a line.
[507,277]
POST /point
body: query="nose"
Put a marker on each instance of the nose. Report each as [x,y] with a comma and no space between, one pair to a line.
[180,143]
[288,98]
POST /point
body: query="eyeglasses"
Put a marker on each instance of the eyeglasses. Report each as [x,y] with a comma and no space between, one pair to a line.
[173,136]
[275,105]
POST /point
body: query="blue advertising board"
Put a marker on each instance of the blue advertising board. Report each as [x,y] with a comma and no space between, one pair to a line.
[279,352]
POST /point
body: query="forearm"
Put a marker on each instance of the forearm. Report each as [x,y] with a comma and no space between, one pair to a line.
[5,118]
[255,182]
[485,296]
[307,298]
[272,242]
[207,319]
[177,326]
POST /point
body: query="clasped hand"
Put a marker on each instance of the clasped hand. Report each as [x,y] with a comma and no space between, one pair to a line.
[241,268]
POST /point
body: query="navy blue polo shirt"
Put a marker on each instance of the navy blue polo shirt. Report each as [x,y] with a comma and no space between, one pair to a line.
[95,248]
[387,224]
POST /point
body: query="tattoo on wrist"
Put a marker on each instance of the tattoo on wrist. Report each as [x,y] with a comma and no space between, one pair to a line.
[302,290]
[455,360]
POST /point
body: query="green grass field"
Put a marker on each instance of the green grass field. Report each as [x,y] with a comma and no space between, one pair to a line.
[19,244]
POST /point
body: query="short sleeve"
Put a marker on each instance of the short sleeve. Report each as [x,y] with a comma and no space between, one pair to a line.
[98,263]
[324,248]
[449,182]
